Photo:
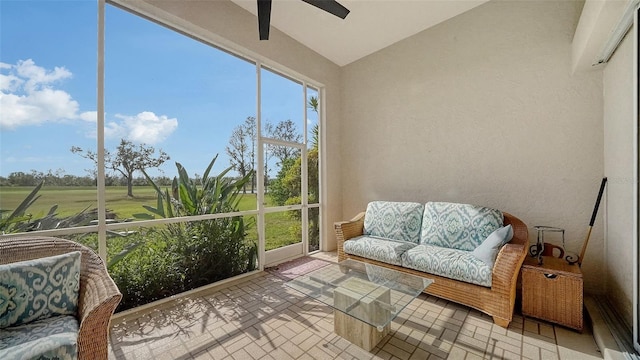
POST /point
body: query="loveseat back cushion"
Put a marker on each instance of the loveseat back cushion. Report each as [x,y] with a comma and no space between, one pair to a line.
[450,263]
[370,247]
[458,226]
[40,288]
[394,220]
[51,338]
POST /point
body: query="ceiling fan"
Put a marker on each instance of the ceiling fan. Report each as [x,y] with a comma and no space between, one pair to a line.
[264,13]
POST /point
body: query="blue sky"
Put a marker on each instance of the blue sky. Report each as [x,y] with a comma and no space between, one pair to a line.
[161,88]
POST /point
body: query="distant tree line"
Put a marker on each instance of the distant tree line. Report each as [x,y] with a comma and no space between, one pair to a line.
[59,178]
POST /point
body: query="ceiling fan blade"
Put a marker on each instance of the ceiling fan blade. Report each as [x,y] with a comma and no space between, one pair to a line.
[264,18]
[330,6]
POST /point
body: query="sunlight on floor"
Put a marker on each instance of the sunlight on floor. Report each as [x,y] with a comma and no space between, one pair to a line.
[260,318]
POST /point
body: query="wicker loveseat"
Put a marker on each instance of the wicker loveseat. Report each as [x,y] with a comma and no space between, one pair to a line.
[97,298]
[409,237]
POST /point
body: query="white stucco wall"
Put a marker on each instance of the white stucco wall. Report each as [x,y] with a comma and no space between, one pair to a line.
[481,109]
[225,24]
[618,166]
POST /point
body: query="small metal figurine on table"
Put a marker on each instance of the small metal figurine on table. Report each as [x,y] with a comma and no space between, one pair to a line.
[537,249]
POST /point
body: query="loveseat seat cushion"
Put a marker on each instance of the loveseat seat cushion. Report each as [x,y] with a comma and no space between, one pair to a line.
[458,226]
[450,263]
[51,338]
[375,248]
[394,220]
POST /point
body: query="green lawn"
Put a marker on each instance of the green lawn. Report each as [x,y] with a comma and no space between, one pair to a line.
[73,199]
[281,229]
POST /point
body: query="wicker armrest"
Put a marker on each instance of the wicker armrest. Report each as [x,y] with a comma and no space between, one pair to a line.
[507,267]
[346,230]
[99,297]
[511,256]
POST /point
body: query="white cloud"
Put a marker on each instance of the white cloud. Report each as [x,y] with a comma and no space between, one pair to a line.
[27,97]
[145,127]
[90,116]
[38,77]
[10,82]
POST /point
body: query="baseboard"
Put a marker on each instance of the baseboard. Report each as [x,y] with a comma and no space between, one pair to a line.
[609,333]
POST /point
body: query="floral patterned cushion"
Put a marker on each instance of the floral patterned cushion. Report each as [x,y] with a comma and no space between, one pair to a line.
[458,226]
[385,250]
[40,288]
[50,338]
[451,263]
[394,220]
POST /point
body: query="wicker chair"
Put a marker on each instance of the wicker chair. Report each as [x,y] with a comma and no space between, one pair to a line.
[98,296]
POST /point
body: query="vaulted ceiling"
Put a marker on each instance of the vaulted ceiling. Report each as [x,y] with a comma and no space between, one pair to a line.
[370,26]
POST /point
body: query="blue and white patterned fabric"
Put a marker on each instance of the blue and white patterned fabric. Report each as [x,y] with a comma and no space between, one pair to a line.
[394,220]
[385,250]
[458,226]
[450,263]
[40,288]
[50,338]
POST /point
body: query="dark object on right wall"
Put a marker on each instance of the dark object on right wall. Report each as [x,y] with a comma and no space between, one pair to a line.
[264,13]
[593,220]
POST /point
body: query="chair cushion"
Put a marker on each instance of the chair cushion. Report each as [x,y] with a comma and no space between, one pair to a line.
[38,289]
[450,263]
[458,226]
[394,220]
[370,247]
[51,338]
[488,250]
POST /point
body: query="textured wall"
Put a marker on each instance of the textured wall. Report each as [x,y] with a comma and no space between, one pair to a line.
[481,109]
[618,166]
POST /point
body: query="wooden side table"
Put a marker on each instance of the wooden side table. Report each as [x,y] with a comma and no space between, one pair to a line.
[553,291]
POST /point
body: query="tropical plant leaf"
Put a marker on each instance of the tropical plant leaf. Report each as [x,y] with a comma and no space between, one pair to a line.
[205,176]
[128,249]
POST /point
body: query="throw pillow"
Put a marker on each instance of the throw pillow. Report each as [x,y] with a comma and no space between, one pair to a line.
[488,250]
[39,288]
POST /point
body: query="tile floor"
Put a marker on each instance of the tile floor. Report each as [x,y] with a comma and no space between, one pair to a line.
[261,318]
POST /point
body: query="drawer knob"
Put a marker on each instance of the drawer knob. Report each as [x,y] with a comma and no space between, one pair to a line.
[550,276]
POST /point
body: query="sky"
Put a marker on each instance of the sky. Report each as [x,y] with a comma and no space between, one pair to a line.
[162,89]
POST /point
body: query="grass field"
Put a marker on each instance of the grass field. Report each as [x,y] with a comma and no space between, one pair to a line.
[73,199]
[281,229]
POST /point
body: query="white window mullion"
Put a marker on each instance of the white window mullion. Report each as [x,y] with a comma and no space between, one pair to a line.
[260,171]
[636,190]
[102,216]
[304,191]
[322,171]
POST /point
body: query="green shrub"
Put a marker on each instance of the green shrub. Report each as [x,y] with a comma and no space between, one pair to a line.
[178,257]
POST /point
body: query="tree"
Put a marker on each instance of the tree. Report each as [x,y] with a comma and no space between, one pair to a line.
[242,149]
[285,189]
[268,151]
[128,159]
[286,131]
[313,105]
[238,150]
